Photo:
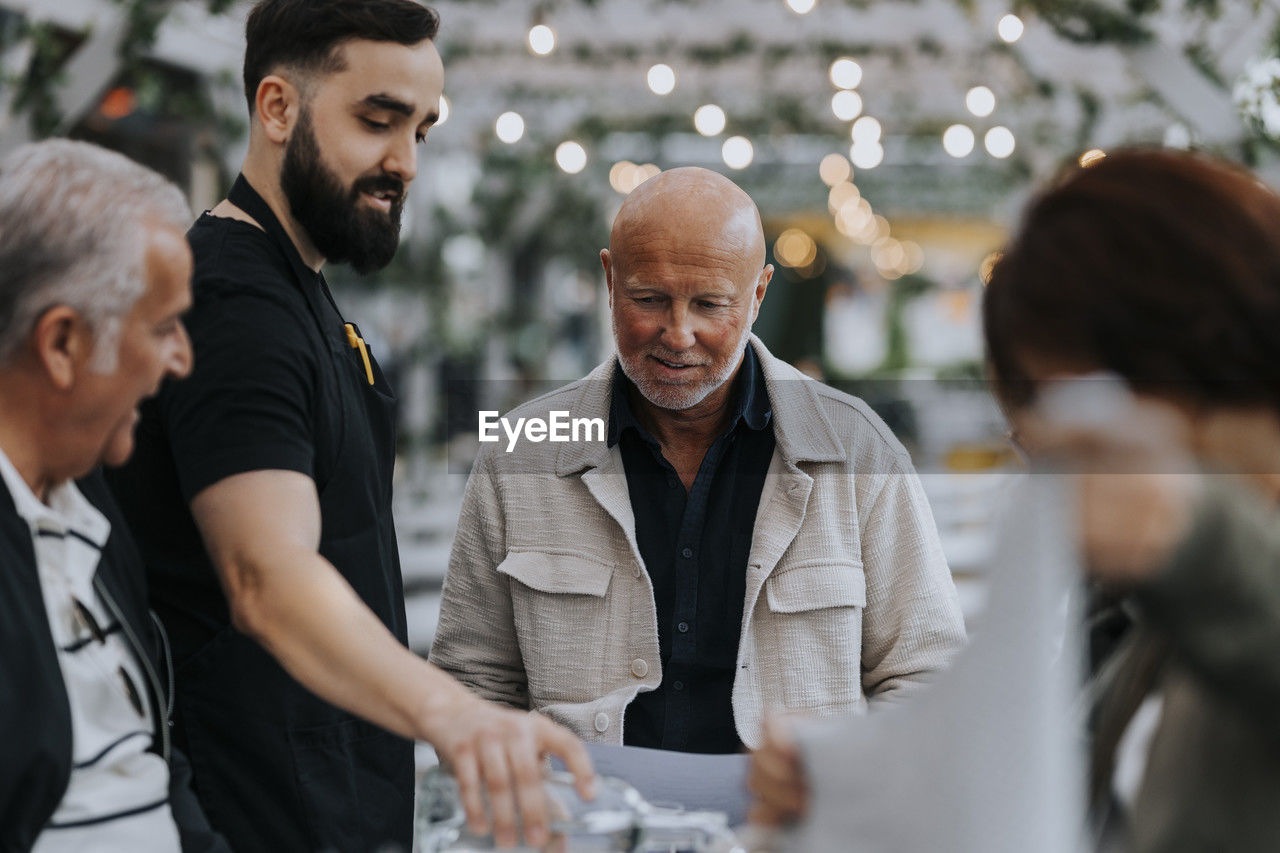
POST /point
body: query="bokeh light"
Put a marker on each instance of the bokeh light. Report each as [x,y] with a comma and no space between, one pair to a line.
[957,140]
[662,79]
[845,73]
[737,152]
[709,120]
[834,169]
[571,157]
[509,127]
[542,39]
[1009,28]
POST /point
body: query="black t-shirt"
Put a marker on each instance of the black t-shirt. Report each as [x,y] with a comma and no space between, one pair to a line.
[275,385]
[255,400]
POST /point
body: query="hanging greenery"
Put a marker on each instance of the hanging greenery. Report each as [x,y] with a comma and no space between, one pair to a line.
[36,87]
[736,46]
[1100,22]
[1093,22]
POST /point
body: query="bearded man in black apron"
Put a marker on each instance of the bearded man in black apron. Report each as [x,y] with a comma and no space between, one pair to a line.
[261,487]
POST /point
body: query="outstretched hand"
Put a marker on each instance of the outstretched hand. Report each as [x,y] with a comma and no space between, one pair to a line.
[497,753]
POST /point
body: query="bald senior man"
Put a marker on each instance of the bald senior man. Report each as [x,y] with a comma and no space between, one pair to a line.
[741,539]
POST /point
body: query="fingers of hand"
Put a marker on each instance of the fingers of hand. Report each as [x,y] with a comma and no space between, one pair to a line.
[562,743]
[531,797]
[467,771]
[763,814]
[767,815]
[774,813]
[777,779]
[497,780]
[774,765]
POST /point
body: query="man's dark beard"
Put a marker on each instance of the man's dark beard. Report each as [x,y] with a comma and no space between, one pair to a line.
[340,228]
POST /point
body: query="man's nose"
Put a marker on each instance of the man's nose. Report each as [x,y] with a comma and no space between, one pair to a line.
[677,332]
[402,158]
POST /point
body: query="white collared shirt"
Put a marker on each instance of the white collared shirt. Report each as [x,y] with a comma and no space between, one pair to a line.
[118,796]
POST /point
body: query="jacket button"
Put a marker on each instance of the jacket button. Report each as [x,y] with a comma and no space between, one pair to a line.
[602,721]
[639,668]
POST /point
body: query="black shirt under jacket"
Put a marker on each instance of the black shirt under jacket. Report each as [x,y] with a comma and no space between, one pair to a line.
[695,547]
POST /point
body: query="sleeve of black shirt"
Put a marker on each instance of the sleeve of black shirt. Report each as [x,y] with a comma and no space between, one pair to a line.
[247,404]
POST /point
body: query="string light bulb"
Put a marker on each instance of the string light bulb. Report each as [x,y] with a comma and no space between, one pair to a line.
[980,101]
[571,157]
[999,142]
[542,39]
[865,129]
[662,79]
[866,153]
[834,169]
[845,73]
[846,104]
[1009,28]
[709,120]
[737,152]
[957,140]
[509,127]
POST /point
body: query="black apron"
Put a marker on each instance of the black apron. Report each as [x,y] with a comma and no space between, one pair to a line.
[275,767]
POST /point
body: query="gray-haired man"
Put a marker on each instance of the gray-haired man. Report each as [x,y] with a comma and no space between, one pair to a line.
[96,278]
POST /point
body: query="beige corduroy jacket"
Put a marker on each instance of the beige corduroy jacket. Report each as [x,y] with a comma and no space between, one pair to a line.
[547,604]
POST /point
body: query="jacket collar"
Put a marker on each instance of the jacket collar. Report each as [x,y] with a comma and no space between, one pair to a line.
[802,430]
[13,527]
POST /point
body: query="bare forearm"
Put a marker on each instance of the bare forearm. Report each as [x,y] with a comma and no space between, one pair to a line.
[307,616]
[262,531]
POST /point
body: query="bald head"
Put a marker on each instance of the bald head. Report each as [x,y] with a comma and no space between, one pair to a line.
[693,212]
[686,275]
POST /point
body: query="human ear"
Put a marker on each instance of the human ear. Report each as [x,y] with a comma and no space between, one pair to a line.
[607,262]
[277,104]
[63,344]
[762,285]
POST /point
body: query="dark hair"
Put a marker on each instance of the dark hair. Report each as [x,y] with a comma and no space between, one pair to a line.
[1162,267]
[306,34]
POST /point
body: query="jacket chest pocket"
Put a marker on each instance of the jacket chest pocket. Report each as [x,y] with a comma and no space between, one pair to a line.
[563,622]
[813,631]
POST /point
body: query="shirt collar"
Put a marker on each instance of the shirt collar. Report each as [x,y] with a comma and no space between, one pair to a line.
[621,415]
[751,401]
[754,407]
[67,509]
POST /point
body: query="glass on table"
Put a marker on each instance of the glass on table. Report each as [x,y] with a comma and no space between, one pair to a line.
[618,819]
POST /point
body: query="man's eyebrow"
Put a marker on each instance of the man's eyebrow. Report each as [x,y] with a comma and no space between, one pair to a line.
[383,101]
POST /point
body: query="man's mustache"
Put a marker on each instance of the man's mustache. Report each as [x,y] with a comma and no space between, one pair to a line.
[378,184]
[677,358]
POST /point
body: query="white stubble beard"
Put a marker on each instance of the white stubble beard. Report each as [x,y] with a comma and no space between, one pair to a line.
[678,398]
